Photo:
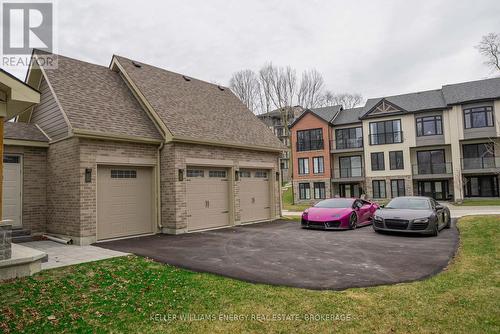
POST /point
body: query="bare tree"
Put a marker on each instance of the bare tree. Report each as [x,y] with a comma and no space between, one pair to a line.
[489,47]
[347,100]
[311,89]
[247,87]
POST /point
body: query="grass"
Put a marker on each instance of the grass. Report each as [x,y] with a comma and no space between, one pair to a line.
[288,202]
[132,294]
[480,202]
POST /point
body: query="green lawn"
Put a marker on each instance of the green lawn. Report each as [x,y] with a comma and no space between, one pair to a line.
[480,202]
[288,202]
[132,294]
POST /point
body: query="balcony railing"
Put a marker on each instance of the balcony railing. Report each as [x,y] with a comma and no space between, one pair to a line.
[310,145]
[346,143]
[428,169]
[480,163]
[386,138]
[346,173]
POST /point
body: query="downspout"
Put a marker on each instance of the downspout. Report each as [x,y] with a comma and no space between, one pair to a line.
[158,187]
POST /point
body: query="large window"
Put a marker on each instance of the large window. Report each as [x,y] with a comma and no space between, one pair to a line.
[396,160]
[379,189]
[397,188]
[386,132]
[303,166]
[350,166]
[304,191]
[310,140]
[431,162]
[378,161]
[479,117]
[348,138]
[318,165]
[478,156]
[319,190]
[429,126]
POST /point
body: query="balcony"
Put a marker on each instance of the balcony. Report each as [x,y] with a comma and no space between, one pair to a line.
[481,165]
[432,171]
[386,138]
[348,174]
[346,145]
[311,145]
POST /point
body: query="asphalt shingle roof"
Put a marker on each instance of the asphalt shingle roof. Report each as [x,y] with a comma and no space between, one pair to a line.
[348,116]
[472,91]
[426,100]
[23,131]
[197,109]
[96,98]
[327,113]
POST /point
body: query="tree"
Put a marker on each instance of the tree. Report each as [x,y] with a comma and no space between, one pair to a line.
[246,86]
[489,47]
[311,89]
[347,100]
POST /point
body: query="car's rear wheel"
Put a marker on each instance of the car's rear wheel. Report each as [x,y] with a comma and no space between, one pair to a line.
[353,221]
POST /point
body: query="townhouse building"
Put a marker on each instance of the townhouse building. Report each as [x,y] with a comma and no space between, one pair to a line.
[442,143]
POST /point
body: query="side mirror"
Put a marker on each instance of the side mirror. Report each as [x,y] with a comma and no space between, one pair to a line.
[439,207]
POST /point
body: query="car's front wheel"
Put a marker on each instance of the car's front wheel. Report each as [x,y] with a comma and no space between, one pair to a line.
[448,222]
[353,221]
[435,230]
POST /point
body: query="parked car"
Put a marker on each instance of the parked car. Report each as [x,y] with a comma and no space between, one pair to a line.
[339,214]
[412,214]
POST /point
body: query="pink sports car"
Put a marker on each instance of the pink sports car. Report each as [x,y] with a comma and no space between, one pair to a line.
[339,214]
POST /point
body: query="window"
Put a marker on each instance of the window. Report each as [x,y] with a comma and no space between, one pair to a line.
[310,140]
[123,174]
[479,117]
[284,164]
[431,162]
[10,159]
[396,160]
[397,188]
[350,166]
[318,165]
[378,188]
[304,191]
[378,161]
[261,174]
[244,173]
[303,166]
[478,156]
[386,132]
[348,138]
[319,190]
[429,126]
[217,173]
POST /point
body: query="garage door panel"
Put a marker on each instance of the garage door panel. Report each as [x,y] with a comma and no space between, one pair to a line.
[124,201]
[255,203]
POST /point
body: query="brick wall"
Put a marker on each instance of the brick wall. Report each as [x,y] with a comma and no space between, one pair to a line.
[173,191]
[5,241]
[34,206]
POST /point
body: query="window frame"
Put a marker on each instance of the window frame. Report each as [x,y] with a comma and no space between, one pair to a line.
[318,158]
[304,189]
[472,110]
[391,165]
[320,186]
[436,119]
[348,138]
[379,183]
[310,142]
[304,165]
[377,154]
[385,133]
[398,188]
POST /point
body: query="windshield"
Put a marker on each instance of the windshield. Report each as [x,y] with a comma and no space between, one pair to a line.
[336,203]
[409,203]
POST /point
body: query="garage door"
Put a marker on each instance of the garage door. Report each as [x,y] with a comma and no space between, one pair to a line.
[207,198]
[124,201]
[255,202]
[12,189]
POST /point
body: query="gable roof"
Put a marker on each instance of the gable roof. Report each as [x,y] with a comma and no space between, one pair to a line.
[192,109]
[95,98]
[23,131]
[348,116]
[324,113]
[472,91]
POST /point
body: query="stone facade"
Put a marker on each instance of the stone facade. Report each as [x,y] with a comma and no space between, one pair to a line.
[34,176]
[5,241]
[173,191]
[408,185]
[312,200]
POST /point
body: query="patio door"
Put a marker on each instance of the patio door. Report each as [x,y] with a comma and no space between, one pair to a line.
[435,189]
[481,186]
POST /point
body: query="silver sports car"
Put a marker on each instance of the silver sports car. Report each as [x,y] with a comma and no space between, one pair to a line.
[413,215]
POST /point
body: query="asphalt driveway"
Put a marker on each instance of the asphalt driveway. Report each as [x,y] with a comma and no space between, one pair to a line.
[281,253]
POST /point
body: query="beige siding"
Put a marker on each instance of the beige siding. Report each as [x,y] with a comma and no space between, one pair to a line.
[48,115]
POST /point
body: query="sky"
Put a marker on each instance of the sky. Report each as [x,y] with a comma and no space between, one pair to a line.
[374,48]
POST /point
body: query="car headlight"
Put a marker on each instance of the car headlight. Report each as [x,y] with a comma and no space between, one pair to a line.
[377,218]
[421,220]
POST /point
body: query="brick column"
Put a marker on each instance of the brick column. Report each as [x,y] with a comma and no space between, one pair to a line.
[5,241]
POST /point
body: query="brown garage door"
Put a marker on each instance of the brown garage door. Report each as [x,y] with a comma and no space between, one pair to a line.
[124,201]
[207,198]
[255,202]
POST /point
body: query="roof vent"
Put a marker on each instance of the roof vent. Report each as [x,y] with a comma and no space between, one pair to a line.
[186,78]
[136,64]
[220,88]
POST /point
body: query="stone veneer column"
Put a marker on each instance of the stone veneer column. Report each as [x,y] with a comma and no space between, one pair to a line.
[5,241]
